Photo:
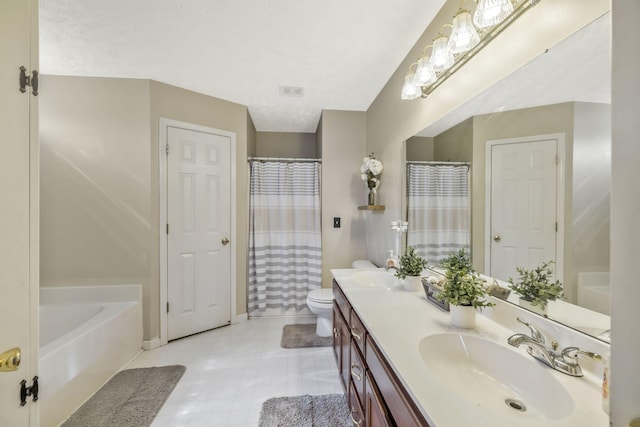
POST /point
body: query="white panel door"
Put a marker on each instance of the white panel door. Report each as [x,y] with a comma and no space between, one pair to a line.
[18,211]
[199,221]
[523,206]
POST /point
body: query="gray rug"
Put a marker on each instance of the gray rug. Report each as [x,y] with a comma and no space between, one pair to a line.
[131,398]
[303,335]
[327,410]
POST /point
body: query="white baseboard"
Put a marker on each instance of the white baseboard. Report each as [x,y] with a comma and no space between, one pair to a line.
[240,318]
[150,344]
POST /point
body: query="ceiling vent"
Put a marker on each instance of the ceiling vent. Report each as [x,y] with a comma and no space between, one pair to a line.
[292,91]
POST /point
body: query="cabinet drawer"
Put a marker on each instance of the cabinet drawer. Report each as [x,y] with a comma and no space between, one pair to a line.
[358,332]
[401,408]
[357,371]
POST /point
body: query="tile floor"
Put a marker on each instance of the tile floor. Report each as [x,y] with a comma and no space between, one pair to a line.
[232,370]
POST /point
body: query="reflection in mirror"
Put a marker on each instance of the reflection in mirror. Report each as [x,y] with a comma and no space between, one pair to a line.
[438,208]
[562,98]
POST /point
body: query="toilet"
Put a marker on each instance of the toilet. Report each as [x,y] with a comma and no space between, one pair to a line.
[320,302]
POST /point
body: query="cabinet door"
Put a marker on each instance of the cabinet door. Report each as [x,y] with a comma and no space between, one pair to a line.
[376,414]
[341,339]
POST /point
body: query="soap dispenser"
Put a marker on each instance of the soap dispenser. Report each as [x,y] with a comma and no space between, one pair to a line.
[392,260]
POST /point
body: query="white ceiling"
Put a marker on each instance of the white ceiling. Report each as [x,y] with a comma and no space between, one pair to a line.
[576,69]
[341,52]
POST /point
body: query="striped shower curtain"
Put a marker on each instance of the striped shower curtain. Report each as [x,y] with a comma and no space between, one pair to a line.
[285,252]
[438,209]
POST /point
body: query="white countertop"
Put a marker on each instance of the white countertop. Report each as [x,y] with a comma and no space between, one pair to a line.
[398,319]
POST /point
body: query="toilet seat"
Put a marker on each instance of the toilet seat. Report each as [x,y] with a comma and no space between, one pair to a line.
[321,296]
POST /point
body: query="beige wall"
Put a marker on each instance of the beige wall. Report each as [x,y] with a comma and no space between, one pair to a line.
[419,148]
[95,199]
[252,136]
[342,139]
[455,144]
[286,144]
[100,218]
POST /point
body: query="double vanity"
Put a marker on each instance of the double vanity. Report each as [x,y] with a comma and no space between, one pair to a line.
[401,363]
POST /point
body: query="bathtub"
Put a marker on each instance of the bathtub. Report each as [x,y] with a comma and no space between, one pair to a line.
[87,334]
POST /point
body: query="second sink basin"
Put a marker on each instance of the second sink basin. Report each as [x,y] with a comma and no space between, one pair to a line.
[495,378]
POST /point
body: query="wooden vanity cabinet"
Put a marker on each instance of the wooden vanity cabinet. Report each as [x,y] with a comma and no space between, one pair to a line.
[375,395]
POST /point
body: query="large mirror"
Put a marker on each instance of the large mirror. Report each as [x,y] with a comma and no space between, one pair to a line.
[559,100]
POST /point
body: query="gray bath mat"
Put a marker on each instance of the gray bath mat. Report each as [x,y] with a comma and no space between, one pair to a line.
[303,335]
[131,398]
[327,410]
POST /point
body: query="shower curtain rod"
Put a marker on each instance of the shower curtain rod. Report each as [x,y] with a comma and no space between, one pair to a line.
[429,162]
[283,159]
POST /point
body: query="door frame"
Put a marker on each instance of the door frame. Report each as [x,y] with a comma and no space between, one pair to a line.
[560,201]
[162,169]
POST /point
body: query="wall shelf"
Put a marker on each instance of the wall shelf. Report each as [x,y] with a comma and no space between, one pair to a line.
[371,208]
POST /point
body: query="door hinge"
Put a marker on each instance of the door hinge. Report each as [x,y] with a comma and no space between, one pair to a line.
[556,227]
[166,148]
[167,306]
[31,81]
[28,391]
[557,159]
[167,228]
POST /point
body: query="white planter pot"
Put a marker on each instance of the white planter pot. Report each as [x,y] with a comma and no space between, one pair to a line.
[412,283]
[535,308]
[463,316]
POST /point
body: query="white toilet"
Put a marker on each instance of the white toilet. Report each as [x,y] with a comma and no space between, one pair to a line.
[320,302]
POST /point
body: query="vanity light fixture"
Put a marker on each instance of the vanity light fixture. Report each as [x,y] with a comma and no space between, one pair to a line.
[468,37]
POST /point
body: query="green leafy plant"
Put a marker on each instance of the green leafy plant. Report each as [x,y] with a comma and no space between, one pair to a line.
[462,285]
[411,264]
[536,285]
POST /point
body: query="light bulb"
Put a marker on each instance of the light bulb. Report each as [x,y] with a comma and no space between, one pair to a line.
[424,72]
[410,90]
[491,12]
[463,35]
[441,57]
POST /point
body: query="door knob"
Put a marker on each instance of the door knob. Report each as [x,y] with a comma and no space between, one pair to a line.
[225,241]
[10,360]
[497,238]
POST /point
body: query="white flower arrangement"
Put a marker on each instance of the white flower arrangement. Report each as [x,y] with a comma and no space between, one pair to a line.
[370,171]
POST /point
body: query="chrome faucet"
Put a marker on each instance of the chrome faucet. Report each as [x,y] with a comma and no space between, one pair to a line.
[391,267]
[565,361]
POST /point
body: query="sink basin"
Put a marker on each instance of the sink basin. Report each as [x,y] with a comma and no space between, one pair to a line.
[495,378]
[374,278]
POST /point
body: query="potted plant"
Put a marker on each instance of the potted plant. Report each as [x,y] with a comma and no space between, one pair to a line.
[536,287]
[411,266]
[463,289]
